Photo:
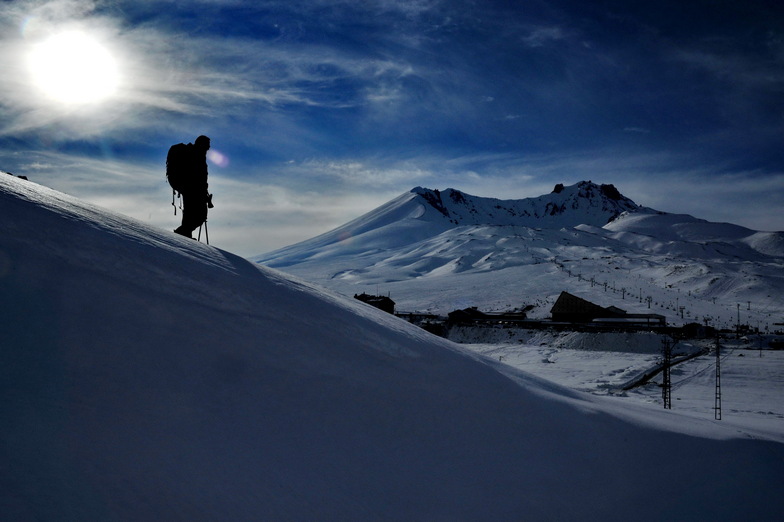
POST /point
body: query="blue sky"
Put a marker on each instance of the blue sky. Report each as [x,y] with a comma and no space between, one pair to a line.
[322,110]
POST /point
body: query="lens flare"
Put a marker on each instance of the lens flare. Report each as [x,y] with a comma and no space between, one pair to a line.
[346,237]
[218,158]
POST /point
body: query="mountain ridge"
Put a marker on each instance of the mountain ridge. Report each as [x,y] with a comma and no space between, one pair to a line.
[582,203]
[423,213]
[440,250]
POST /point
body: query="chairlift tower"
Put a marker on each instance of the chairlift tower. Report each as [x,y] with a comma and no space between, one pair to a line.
[666,376]
[717,400]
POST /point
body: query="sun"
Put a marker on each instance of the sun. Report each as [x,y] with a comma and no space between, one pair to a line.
[74,69]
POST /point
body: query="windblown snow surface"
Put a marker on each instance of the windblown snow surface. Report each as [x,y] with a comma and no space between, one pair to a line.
[144,376]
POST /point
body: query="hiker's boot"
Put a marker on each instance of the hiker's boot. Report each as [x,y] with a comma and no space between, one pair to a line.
[182,232]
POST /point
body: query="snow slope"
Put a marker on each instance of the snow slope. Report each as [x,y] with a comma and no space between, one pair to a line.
[144,376]
[437,252]
[423,213]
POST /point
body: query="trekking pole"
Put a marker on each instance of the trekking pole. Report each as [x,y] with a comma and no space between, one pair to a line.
[206,233]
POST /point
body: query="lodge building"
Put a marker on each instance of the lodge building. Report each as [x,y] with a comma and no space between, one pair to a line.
[569,308]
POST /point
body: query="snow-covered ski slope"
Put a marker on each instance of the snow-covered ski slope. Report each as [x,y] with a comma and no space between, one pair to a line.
[144,376]
[440,251]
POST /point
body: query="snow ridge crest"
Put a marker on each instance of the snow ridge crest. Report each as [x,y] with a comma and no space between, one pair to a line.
[584,203]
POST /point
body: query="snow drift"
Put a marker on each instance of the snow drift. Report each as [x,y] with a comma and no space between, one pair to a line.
[144,376]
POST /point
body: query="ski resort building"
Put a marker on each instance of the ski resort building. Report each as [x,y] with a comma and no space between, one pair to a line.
[569,308]
[381,302]
[473,315]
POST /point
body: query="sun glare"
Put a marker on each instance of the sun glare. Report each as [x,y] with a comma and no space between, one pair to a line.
[74,68]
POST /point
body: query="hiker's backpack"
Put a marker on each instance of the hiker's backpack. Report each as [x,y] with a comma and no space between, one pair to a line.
[178,162]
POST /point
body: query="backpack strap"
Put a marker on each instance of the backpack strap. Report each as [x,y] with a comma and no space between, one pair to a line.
[178,197]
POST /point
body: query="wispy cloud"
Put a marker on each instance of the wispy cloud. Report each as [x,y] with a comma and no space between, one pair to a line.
[207,76]
[326,109]
[541,36]
[714,195]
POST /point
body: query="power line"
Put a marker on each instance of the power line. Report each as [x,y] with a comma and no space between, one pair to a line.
[717,400]
[666,376]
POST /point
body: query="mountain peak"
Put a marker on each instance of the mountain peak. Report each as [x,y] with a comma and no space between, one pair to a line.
[585,189]
[584,203]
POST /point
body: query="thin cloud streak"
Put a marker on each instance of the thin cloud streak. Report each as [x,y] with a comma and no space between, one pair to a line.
[211,76]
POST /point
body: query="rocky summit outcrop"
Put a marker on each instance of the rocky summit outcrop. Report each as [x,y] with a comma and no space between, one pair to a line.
[584,203]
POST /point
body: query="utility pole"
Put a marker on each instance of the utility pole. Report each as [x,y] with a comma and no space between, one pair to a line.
[666,377]
[717,400]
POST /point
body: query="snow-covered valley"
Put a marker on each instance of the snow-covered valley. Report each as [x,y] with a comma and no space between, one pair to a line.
[751,380]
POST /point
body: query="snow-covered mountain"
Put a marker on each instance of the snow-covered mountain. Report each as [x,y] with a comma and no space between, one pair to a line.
[423,213]
[583,203]
[145,376]
[439,251]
